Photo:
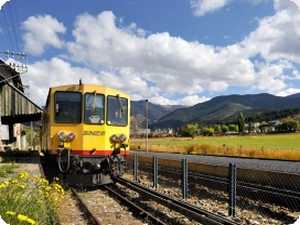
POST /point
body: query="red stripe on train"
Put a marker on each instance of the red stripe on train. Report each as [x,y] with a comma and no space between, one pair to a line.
[96,152]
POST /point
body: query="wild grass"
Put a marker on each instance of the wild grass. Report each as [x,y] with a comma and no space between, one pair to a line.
[26,199]
[7,169]
[283,147]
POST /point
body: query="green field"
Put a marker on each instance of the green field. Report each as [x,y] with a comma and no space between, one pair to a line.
[280,146]
[272,142]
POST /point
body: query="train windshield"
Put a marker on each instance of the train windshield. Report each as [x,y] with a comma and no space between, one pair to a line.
[68,107]
[117,110]
[94,108]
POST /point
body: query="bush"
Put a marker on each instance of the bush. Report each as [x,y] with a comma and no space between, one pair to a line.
[190,130]
[28,199]
[208,131]
[288,125]
[225,129]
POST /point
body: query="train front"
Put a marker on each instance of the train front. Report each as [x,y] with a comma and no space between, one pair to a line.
[89,132]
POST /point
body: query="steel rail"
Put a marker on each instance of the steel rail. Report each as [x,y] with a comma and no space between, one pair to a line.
[141,212]
[89,215]
[193,212]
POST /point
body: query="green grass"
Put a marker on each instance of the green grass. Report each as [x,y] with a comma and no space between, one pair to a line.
[269,142]
[7,169]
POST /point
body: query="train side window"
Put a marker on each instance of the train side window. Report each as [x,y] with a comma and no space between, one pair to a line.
[117,111]
[94,108]
[67,107]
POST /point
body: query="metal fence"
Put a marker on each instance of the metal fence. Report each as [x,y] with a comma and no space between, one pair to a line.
[249,196]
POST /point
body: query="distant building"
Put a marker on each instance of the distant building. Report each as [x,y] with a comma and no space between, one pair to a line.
[164,131]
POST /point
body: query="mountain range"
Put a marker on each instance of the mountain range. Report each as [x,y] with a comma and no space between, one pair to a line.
[219,109]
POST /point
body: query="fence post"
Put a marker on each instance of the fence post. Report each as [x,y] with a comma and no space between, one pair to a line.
[135,167]
[184,179]
[232,189]
[155,171]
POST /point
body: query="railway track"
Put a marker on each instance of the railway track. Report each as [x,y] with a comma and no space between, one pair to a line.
[249,187]
[279,192]
[188,210]
[148,216]
[91,219]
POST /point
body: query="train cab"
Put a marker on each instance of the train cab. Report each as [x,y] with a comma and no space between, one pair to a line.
[86,127]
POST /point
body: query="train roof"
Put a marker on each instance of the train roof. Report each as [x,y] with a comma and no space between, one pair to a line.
[85,88]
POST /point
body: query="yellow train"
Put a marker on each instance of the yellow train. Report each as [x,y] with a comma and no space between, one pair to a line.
[86,127]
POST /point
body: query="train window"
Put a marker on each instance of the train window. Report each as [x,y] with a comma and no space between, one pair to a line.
[117,111]
[68,107]
[94,108]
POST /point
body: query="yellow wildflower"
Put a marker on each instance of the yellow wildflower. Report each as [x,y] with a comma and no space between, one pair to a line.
[4,184]
[13,181]
[23,218]
[10,213]
[21,186]
[23,175]
[30,221]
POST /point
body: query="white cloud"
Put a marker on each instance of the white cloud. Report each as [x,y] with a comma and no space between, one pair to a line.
[188,100]
[270,77]
[41,32]
[55,72]
[289,91]
[217,86]
[277,36]
[161,100]
[172,64]
[202,7]
[162,67]
[45,74]
[191,100]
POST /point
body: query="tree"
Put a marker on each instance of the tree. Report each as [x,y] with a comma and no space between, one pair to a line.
[224,129]
[217,128]
[288,125]
[241,122]
[233,128]
[190,130]
[208,131]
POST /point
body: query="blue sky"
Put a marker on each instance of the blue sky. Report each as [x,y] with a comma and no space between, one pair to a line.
[171,51]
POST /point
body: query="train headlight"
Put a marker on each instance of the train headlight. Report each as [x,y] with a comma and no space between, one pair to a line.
[114,139]
[122,138]
[61,136]
[70,136]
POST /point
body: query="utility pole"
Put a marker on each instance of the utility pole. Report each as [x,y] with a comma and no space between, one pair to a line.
[147,124]
[31,124]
